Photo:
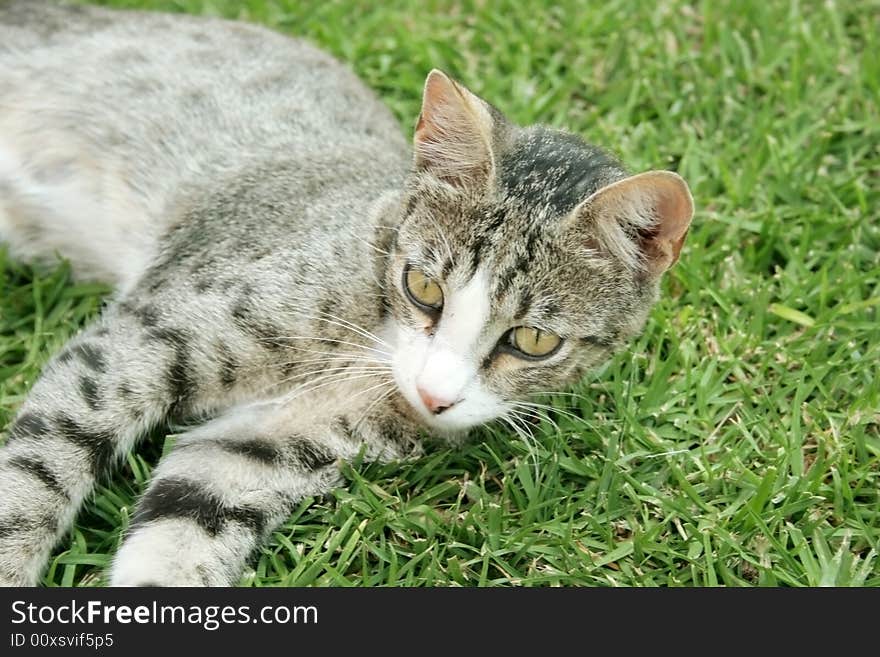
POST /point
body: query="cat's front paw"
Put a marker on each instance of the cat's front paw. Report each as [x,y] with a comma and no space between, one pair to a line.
[16,577]
[146,580]
[18,567]
[7,581]
[149,573]
[167,553]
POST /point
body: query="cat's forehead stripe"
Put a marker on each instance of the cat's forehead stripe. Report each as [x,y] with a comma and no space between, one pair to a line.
[555,170]
[448,265]
[525,303]
[518,265]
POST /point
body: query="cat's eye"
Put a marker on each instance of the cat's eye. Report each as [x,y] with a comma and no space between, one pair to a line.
[534,343]
[423,290]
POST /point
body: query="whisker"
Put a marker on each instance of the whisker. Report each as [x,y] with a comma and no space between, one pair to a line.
[378,385]
[529,440]
[346,324]
[521,422]
[351,370]
[539,413]
[329,360]
[324,353]
[354,327]
[319,374]
[528,417]
[552,409]
[382,396]
[331,380]
[334,377]
[558,392]
[572,416]
[316,339]
[323,372]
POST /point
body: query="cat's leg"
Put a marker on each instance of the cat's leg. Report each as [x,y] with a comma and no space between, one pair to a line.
[107,388]
[226,485]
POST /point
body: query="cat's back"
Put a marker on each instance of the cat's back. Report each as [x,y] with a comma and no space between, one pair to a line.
[187,70]
[124,114]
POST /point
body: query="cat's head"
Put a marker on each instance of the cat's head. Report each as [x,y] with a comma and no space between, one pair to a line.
[523,257]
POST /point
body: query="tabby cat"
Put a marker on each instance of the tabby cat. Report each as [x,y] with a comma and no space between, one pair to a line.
[288,271]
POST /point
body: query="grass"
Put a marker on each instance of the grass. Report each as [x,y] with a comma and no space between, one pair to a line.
[738,441]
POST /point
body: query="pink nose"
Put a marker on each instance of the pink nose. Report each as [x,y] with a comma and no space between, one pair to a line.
[434,404]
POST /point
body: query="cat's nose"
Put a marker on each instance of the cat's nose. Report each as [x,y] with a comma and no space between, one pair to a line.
[435,405]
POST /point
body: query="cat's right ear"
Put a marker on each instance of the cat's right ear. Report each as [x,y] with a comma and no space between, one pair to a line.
[642,219]
[453,135]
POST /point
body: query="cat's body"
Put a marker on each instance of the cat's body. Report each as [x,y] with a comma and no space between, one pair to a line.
[254,205]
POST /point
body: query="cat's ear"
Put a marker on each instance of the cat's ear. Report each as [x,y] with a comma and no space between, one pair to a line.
[643,219]
[453,136]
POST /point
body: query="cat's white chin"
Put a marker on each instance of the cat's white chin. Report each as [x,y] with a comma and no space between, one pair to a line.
[456,420]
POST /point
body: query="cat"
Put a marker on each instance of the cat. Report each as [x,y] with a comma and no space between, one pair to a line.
[288,269]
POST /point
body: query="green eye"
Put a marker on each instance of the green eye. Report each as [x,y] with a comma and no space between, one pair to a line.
[422,290]
[533,342]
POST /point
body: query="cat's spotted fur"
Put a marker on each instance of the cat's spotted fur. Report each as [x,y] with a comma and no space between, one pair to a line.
[256,208]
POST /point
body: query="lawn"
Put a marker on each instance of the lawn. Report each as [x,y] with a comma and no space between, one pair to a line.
[738,441]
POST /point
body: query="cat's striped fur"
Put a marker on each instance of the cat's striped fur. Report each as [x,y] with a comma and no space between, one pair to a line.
[255,206]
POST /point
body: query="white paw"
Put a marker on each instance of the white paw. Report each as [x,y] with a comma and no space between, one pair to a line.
[172,552]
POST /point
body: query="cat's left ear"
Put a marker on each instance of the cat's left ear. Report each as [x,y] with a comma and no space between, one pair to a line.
[643,219]
[453,136]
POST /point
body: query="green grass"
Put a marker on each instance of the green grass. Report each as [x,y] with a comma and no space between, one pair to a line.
[738,441]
